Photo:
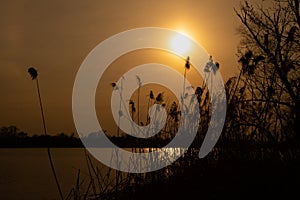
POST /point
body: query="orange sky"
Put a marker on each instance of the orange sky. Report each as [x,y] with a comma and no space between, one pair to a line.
[55,36]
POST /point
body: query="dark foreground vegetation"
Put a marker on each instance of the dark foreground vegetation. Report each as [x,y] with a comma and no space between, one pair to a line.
[226,178]
[231,171]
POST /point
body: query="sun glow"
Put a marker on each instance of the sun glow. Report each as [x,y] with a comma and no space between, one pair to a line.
[180,43]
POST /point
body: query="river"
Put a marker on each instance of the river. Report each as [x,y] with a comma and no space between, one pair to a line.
[25,173]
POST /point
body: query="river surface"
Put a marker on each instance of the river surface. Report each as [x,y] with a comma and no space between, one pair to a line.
[25,173]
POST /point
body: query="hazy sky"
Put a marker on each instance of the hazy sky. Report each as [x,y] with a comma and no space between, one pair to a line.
[55,37]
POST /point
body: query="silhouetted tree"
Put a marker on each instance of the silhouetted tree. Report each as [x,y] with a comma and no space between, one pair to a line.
[269,83]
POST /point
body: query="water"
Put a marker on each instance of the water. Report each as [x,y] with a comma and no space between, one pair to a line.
[26,173]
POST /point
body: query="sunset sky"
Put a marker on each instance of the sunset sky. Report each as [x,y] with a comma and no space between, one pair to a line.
[55,37]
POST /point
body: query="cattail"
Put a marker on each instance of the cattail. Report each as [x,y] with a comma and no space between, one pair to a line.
[114,85]
[187,64]
[33,73]
[151,95]
[208,65]
[187,67]
[131,103]
[159,98]
[215,67]
[199,93]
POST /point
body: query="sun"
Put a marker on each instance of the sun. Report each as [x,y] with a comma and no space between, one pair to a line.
[180,43]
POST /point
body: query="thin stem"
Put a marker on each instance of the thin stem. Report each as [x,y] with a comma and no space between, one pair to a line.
[147,117]
[184,82]
[120,108]
[138,106]
[48,148]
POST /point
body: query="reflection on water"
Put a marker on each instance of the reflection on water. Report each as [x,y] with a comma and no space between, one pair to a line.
[141,161]
[25,173]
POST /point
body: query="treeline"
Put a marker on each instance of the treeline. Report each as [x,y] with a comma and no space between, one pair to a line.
[12,137]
